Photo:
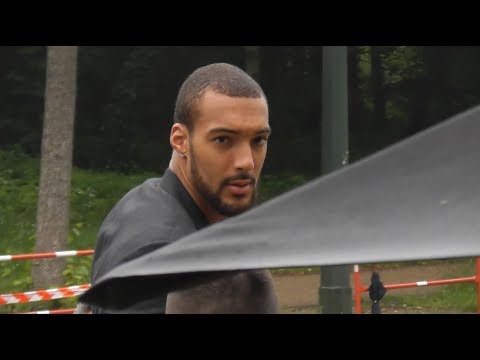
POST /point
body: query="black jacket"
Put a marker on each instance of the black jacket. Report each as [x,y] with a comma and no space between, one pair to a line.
[156,213]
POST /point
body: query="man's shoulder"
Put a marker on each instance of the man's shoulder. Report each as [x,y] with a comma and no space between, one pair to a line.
[146,215]
[149,185]
[149,197]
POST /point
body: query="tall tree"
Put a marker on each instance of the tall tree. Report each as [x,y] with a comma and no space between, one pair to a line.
[56,164]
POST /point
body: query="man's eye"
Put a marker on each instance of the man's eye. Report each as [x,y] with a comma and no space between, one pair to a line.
[260,140]
[221,139]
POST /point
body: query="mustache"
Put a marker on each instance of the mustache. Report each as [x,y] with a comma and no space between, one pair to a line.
[241,176]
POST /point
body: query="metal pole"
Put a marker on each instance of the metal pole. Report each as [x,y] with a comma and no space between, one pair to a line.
[335,293]
[478,285]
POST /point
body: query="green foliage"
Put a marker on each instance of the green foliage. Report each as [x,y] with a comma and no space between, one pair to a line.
[18,201]
[92,196]
[126,96]
[77,271]
[274,185]
[15,276]
[22,85]
[461,298]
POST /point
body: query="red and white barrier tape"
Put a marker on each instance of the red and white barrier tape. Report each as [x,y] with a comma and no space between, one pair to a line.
[46,255]
[42,295]
[59,311]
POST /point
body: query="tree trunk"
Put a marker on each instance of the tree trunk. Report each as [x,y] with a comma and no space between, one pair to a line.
[355,103]
[56,164]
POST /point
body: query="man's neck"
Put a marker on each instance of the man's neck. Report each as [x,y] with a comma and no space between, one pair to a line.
[211,215]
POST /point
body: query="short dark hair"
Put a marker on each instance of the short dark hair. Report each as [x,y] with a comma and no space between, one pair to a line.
[220,78]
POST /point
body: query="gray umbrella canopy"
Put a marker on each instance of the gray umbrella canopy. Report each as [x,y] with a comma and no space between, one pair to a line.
[418,199]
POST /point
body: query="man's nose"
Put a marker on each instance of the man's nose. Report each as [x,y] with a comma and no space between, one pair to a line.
[244,158]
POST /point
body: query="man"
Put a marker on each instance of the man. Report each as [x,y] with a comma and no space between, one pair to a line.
[219,140]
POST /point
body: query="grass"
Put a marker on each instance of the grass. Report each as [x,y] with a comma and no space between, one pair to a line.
[297,271]
[455,298]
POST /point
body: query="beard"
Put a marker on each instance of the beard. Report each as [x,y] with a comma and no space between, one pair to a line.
[213,197]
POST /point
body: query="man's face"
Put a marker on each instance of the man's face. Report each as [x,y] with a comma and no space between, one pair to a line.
[227,150]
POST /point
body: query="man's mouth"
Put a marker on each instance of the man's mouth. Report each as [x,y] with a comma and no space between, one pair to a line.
[239,187]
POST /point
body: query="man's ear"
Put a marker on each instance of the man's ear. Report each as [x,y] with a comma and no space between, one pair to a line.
[179,138]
